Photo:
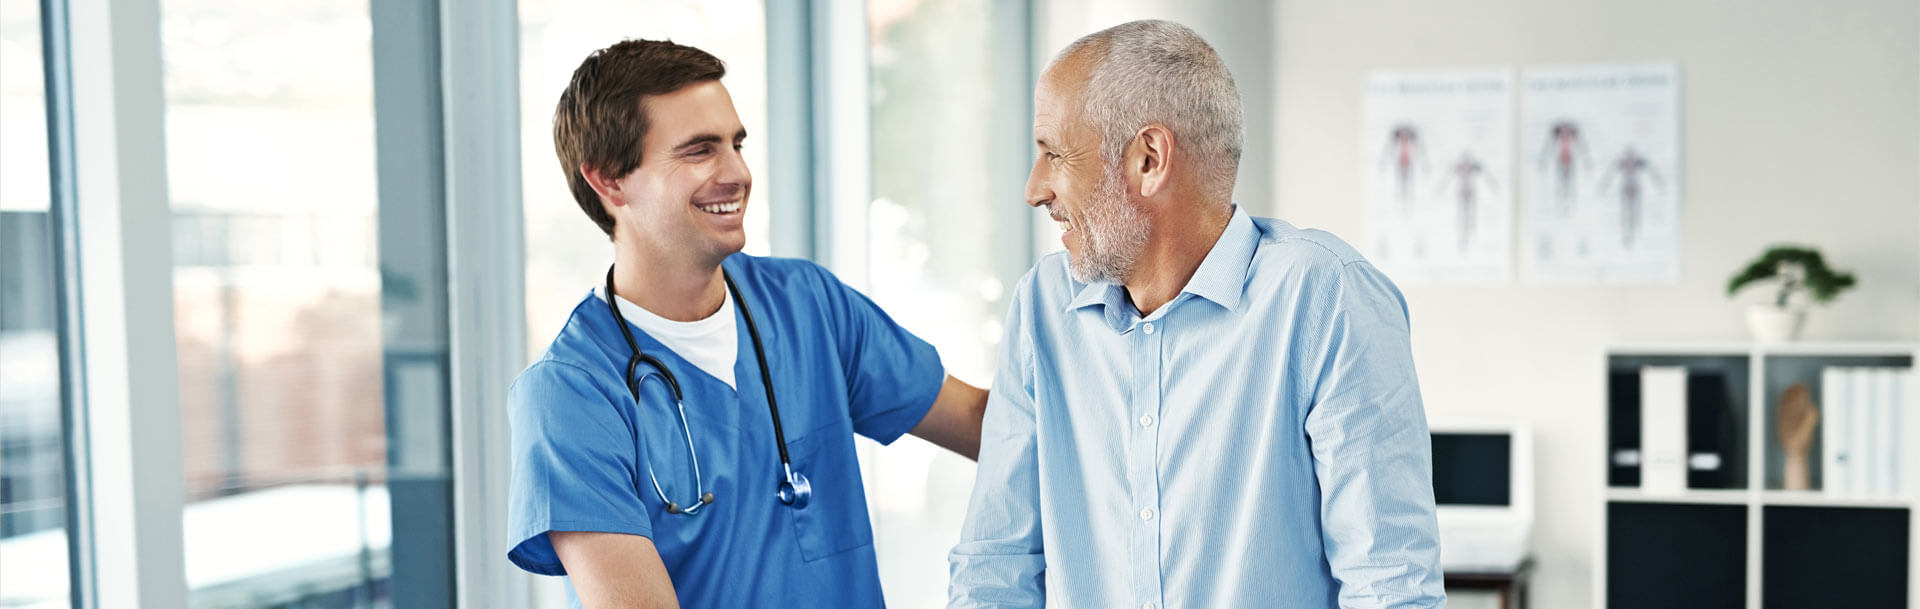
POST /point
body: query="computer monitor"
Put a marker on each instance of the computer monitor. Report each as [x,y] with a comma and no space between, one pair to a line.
[1483,486]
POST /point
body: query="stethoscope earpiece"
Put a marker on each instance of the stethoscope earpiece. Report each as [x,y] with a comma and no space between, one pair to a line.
[674,508]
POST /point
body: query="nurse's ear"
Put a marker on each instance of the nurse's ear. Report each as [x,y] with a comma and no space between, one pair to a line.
[607,186]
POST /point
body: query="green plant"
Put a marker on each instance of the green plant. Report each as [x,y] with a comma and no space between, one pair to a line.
[1797,269]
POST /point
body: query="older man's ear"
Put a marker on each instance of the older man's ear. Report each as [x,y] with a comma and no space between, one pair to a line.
[1148,160]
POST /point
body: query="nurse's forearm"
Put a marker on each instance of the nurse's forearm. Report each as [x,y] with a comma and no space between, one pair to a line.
[615,571]
[954,421]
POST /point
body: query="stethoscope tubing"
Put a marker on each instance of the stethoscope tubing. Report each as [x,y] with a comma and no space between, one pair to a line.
[794,490]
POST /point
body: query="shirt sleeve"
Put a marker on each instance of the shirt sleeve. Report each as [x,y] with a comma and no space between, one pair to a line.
[574,460]
[892,375]
[1000,560]
[1371,449]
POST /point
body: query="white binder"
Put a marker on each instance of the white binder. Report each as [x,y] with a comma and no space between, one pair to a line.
[1860,406]
[1663,430]
[1836,455]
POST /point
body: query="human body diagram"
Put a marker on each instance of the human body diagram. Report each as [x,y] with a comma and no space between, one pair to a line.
[1630,168]
[1466,175]
[1566,152]
[1407,158]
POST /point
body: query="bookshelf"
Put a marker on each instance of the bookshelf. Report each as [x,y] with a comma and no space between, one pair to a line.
[1735,538]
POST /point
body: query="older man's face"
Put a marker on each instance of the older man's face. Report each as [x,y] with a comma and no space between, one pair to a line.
[1104,230]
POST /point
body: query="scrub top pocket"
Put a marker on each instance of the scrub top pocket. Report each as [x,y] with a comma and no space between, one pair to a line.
[836,520]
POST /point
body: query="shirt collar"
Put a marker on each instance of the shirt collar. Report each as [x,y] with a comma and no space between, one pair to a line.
[1221,277]
[1112,297]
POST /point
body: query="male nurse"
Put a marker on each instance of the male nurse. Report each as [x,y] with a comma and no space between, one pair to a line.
[688,438]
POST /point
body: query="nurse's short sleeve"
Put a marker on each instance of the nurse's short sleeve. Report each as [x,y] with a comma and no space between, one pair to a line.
[892,375]
[574,460]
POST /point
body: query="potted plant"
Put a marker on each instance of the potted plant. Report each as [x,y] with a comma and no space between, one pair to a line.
[1801,276]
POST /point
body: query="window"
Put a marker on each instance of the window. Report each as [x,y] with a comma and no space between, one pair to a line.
[566,254]
[277,294]
[948,234]
[33,534]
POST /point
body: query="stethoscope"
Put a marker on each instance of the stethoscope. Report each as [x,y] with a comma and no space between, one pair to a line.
[794,491]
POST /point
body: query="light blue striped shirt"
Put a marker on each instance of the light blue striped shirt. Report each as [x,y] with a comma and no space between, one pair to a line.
[1258,441]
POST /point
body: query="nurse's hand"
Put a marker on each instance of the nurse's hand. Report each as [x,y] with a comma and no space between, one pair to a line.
[614,570]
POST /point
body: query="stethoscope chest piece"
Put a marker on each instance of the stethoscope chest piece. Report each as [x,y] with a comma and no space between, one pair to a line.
[796,490]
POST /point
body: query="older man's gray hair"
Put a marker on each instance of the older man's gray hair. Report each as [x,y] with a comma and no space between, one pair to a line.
[1153,71]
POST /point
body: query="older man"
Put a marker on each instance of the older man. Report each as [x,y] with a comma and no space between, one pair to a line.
[1194,407]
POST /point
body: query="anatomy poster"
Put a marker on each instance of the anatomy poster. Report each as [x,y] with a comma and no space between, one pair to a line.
[1437,150]
[1600,174]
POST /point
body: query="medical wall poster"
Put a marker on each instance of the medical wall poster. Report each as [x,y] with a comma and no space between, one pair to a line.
[1437,153]
[1600,174]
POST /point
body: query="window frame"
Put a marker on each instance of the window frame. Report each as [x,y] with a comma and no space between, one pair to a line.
[486,314]
[120,390]
[57,72]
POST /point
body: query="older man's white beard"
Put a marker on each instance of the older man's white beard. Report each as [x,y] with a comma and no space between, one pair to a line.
[1116,233]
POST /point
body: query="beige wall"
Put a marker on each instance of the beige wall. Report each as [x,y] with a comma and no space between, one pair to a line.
[1801,122]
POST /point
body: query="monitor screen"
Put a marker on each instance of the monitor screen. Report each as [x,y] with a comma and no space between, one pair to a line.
[1472,469]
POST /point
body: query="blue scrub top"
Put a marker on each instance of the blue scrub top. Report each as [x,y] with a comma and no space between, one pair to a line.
[582,446]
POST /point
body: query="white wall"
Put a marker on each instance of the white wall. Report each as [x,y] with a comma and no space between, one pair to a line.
[1799,124]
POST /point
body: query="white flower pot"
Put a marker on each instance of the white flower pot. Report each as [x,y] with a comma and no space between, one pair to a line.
[1775,325]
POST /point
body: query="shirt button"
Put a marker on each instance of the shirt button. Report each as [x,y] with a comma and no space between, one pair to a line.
[1146,513]
[1149,605]
[1146,420]
[1148,328]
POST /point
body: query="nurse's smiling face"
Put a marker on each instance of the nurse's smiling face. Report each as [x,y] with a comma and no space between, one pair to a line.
[687,200]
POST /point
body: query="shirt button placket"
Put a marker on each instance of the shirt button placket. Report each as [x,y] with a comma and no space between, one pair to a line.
[1143,458]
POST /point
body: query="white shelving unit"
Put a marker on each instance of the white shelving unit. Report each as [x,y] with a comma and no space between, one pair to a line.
[1764,498]
[1761,490]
